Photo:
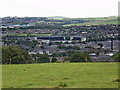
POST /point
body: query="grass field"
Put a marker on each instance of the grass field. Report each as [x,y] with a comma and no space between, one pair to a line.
[94,23]
[67,75]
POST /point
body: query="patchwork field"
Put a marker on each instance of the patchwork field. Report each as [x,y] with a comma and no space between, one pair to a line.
[61,75]
[94,23]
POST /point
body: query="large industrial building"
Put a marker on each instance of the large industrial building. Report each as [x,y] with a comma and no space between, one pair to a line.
[48,39]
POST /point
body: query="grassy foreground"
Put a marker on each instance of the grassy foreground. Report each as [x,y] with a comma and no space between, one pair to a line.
[67,75]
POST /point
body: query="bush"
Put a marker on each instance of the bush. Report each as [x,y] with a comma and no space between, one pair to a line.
[58,61]
[79,57]
[54,60]
[63,85]
[43,58]
[116,57]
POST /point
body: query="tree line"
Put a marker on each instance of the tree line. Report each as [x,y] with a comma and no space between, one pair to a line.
[18,55]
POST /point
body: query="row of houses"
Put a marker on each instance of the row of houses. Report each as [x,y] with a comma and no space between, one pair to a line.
[48,39]
[95,57]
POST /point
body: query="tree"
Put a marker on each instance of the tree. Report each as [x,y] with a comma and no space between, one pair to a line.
[55,54]
[116,57]
[35,57]
[79,57]
[43,58]
[54,59]
[15,55]
[88,47]
[74,42]
[76,47]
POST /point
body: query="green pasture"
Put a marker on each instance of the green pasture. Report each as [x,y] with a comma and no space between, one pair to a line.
[61,75]
[93,23]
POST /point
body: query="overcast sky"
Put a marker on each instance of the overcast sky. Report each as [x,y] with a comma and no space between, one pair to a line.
[66,8]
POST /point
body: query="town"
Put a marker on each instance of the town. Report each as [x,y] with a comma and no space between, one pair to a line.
[60,44]
[99,41]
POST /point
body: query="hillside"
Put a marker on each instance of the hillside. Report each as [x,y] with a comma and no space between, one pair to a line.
[64,21]
[100,22]
[58,21]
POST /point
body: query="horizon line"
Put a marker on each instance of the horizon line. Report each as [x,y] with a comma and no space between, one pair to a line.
[61,16]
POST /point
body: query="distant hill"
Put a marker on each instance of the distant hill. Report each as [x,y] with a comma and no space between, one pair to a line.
[59,21]
[56,17]
[96,21]
[65,21]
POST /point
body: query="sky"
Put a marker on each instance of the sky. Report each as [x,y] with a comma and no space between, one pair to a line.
[66,8]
